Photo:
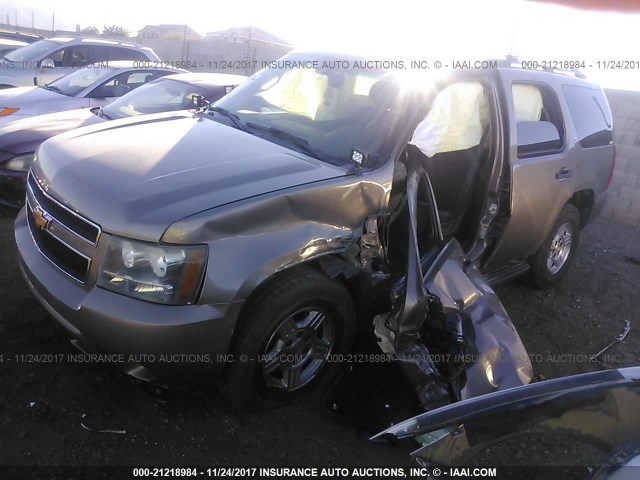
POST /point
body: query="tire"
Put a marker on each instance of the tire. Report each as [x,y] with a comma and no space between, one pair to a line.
[304,311]
[554,258]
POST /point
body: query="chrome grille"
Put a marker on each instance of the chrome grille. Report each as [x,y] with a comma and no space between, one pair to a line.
[65,238]
[70,262]
[80,226]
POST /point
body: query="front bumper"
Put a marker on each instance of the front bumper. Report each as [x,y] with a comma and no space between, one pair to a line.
[165,344]
[12,188]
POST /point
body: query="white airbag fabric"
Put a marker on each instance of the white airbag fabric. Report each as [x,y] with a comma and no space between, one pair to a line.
[455,122]
[527,101]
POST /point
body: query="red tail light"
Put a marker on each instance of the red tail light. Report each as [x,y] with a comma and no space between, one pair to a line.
[613,165]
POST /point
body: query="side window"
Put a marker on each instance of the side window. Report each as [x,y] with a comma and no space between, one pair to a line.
[101,53]
[57,57]
[539,123]
[135,79]
[124,83]
[70,57]
[119,53]
[77,56]
[590,114]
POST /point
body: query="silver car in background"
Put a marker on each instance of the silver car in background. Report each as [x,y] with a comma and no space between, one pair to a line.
[10,41]
[92,86]
[20,139]
[47,59]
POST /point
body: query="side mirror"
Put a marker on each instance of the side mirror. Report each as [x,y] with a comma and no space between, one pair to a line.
[47,63]
[537,138]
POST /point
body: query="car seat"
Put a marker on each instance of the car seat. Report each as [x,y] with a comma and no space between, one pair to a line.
[450,144]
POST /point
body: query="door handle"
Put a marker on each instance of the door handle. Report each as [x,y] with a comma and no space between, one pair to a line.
[563,173]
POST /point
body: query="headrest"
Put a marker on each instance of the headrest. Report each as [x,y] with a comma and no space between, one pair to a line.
[383,92]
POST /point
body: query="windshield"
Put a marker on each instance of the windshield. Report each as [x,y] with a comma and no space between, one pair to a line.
[31,52]
[162,95]
[77,81]
[315,107]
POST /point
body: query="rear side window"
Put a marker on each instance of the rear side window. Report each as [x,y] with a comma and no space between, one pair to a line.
[538,116]
[124,83]
[590,115]
[118,53]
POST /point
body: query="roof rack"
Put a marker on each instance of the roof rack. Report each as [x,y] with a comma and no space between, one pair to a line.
[512,61]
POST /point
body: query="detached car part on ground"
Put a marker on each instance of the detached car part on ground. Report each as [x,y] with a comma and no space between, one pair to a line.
[92,86]
[20,139]
[598,409]
[311,206]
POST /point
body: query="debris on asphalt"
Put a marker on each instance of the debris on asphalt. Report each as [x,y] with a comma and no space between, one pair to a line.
[121,432]
[632,259]
[618,339]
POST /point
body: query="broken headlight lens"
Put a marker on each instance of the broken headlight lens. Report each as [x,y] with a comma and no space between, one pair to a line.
[168,274]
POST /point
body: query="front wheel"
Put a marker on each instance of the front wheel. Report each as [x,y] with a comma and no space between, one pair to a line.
[554,258]
[287,338]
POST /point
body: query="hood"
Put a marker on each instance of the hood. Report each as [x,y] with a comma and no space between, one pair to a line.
[25,135]
[37,100]
[136,177]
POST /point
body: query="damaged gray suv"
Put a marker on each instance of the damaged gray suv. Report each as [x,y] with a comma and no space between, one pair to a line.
[251,240]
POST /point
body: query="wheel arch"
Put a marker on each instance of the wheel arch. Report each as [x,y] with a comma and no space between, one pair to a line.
[583,200]
[331,265]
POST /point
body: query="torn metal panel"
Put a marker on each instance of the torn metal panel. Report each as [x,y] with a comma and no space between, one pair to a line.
[450,313]
[399,333]
[290,227]
[496,354]
[599,408]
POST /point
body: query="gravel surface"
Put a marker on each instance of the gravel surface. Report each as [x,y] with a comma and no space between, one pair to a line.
[43,406]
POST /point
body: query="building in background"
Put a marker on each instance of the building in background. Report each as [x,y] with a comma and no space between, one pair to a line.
[239,50]
[169,32]
[246,34]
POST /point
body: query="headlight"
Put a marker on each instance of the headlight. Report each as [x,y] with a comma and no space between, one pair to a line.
[21,163]
[157,273]
[7,111]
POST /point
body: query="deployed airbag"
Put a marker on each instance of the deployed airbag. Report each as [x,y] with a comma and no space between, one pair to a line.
[455,122]
[527,101]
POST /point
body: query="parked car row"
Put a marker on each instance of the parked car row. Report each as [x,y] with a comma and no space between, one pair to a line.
[77,89]
[160,90]
[305,209]
[76,76]
[83,88]
[47,59]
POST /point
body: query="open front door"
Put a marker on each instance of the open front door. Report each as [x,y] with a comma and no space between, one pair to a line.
[447,327]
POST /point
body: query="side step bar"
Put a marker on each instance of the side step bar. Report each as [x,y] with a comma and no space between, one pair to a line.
[506,273]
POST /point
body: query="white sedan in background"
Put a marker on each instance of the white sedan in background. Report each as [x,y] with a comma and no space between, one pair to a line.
[91,86]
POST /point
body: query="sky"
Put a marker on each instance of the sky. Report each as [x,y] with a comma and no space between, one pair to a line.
[430,30]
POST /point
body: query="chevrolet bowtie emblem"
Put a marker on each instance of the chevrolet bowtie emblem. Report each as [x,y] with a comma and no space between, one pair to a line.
[40,218]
